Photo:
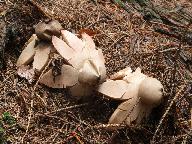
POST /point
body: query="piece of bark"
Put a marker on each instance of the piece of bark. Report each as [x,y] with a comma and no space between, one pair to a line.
[67,78]
[41,57]
[2,41]
[28,53]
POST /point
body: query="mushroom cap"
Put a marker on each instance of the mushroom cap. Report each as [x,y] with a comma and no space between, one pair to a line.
[28,53]
[150,91]
[45,31]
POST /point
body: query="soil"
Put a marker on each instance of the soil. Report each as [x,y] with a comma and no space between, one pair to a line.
[46,115]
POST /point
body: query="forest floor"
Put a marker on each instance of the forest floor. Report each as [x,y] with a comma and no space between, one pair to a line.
[46,115]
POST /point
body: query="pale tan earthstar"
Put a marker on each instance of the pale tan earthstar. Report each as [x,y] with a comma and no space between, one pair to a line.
[37,50]
[84,64]
[139,92]
[84,68]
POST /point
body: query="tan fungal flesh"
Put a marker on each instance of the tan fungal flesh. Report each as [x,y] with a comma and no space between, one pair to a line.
[28,53]
[130,112]
[45,31]
[62,48]
[121,74]
[88,73]
[95,56]
[72,40]
[151,91]
[56,27]
[136,77]
[68,77]
[113,89]
[144,112]
[27,73]
[41,57]
[89,43]
[132,91]
[124,111]
[99,61]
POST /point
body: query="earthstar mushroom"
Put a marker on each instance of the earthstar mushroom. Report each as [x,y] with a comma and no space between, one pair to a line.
[38,49]
[81,55]
[142,93]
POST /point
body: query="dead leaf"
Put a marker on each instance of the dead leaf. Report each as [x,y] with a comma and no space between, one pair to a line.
[88,31]
[28,53]
[68,77]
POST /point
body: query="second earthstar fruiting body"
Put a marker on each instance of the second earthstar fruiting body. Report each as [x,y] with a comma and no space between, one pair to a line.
[139,92]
